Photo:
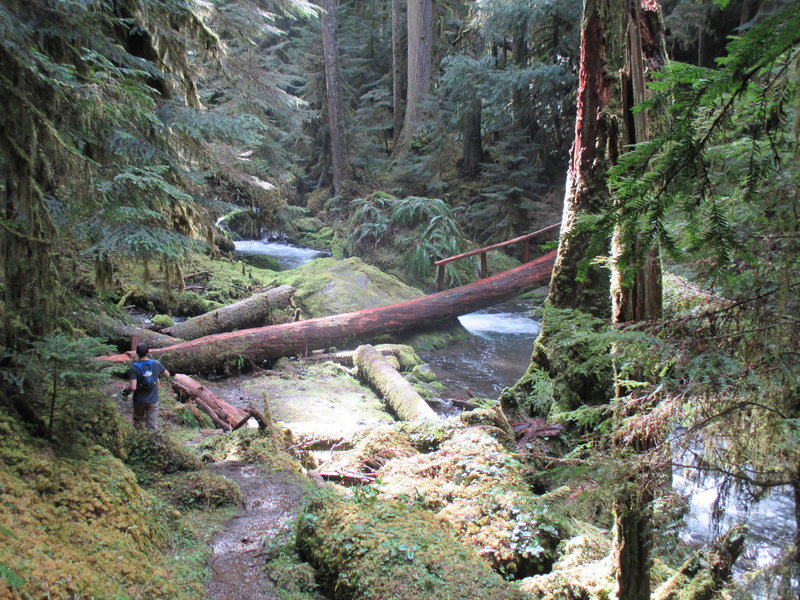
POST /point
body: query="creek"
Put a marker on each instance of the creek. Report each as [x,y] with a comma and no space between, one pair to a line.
[497,355]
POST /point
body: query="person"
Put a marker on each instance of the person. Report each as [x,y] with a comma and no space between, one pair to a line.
[143,384]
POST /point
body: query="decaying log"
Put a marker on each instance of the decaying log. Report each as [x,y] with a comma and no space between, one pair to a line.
[345,357]
[401,397]
[222,413]
[300,338]
[705,572]
[250,312]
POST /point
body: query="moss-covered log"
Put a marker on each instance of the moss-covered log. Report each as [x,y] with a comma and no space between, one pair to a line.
[299,338]
[385,550]
[384,378]
[250,312]
[406,357]
[222,413]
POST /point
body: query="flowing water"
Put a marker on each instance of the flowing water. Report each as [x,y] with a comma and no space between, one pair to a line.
[288,256]
[495,357]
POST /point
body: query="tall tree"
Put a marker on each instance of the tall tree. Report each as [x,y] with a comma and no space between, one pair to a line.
[422,22]
[333,94]
[399,67]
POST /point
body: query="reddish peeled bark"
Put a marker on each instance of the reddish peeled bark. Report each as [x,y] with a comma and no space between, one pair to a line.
[301,337]
[222,413]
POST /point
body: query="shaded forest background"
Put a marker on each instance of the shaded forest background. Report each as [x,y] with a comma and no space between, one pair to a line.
[412,132]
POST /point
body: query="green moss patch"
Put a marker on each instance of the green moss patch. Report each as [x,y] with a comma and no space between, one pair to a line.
[328,286]
[80,527]
[201,489]
[371,550]
[151,453]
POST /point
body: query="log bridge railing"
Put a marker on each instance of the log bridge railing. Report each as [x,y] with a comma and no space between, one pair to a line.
[526,253]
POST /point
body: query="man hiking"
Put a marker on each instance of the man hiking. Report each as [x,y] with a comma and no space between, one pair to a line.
[143,382]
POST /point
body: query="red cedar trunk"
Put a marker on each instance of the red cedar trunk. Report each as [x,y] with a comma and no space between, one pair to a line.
[420,52]
[222,413]
[212,352]
[333,93]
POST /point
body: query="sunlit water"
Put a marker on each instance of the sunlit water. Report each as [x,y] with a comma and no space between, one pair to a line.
[288,256]
[497,355]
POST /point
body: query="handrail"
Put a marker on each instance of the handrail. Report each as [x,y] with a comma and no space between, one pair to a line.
[482,251]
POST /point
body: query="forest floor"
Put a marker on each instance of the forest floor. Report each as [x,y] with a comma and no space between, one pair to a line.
[272,500]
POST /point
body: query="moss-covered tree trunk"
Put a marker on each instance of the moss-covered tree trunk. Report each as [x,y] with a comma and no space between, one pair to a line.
[575,284]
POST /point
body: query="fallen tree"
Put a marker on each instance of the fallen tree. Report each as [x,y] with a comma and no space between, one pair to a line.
[225,415]
[250,312]
[214,352]
[403,399]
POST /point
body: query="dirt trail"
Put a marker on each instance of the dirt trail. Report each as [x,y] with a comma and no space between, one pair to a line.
[272,500]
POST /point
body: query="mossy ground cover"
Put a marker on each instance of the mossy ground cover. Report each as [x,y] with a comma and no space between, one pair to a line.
[79,525]
[371,550]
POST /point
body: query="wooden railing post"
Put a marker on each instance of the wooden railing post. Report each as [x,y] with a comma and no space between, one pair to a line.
[484,266]
[526,250]
[440,278]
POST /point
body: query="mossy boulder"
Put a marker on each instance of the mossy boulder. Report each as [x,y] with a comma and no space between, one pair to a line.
[262,261]
[371,550]
[328,286]
[162,321]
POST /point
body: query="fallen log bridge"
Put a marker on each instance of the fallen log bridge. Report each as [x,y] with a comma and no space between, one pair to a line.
[214,352]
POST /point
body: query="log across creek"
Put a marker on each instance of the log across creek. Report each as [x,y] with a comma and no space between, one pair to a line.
[213,352]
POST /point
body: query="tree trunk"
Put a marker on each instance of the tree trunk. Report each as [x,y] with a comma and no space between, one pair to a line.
[406,403]
[399,75]
[222,413]
[216,351]
[473,143]
[420,20]
[248,313]
[333,93]
[632,534]
[637,294]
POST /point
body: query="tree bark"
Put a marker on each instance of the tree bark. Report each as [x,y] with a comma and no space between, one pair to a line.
[420,18]
[248,313]
[301,337]
[399,74]
[333,93]
[407,404]
[473,142]
[222,413]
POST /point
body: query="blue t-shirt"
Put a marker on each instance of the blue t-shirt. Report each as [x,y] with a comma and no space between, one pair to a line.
[140,394]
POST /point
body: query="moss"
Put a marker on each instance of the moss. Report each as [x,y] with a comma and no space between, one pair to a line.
[262,261]
[80,527]
[367,549]
[200,489]
[475,483]
[248,445]
[162,321]
[328,286]
[151,454]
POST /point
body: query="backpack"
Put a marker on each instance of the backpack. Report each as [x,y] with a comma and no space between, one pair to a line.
[149,378]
